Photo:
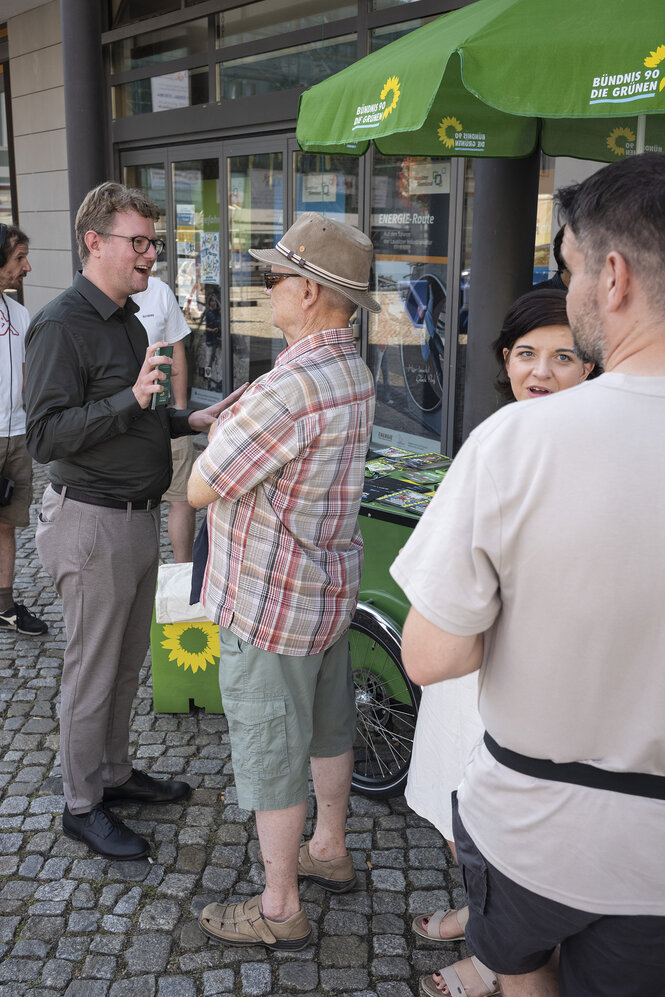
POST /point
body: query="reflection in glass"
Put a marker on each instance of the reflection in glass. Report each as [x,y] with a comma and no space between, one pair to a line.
[6,213]
[256,221]
[409,229]
[300,66]
[385,4]
[196,205]
[126,11]
[327,184]
[185,88]
[151,180]
[152,47]
[267,19]
[378,37]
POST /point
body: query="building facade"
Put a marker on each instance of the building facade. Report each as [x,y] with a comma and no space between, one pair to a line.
[196,103]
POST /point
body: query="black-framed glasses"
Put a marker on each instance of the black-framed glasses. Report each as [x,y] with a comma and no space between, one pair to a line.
[270,279]
[140,243]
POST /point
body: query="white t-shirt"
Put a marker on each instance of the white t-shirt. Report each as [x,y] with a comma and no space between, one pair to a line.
[548,534]
[13,327]
[159,313]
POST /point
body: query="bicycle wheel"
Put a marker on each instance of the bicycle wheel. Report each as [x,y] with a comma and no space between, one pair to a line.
[386,706]
[423,379]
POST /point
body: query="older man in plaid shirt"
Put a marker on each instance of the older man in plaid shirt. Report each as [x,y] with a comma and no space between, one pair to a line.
[283,476]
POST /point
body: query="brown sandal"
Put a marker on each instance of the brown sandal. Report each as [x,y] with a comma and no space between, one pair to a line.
[246,924]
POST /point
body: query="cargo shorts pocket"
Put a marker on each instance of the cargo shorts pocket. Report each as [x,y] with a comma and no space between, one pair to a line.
[471,863]
[258,735]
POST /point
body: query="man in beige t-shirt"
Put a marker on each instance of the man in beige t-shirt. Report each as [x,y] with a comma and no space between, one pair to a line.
[540,562]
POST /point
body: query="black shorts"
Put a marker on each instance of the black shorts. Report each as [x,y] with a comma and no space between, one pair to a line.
[515,931]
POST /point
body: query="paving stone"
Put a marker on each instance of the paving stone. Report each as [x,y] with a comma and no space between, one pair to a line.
[217,981]
[163,914]
[31,866]
[388,879]
[83,896]
[219,880]
[56,973]
[343,951]
[178,884]
[30,947]
[256,979]
[176,986]
[389,903]
[149,952]
[99,967]
[393,968]
[393,989]
[339,923]
[14,805]
[116,924]
[299,976]
[72,948]
[128,903]
[19,970]
[339,981]
[139,986]
[83,922]
[390,945]
[107,944]
[8,927]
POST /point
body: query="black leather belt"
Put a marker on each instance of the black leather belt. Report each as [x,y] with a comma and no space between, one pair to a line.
[107,503]
[579,773]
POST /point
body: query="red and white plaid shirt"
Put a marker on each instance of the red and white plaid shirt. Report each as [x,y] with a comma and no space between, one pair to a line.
[288,463]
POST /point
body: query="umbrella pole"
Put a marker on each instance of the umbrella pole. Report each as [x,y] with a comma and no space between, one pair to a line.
[641,133]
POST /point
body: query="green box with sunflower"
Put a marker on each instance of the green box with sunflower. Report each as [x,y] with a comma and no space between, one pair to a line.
[184,648]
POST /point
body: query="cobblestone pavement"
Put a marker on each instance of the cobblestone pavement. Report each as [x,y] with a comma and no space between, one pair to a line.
[75,924]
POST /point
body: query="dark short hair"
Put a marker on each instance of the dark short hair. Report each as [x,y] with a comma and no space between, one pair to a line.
[556,250]
[14,237]
[533,310]
[101,204]
[622,208]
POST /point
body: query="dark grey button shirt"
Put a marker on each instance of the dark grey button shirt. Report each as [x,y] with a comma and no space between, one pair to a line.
[83,354]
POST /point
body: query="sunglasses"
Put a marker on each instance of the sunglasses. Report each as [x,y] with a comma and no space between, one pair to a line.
[270,279]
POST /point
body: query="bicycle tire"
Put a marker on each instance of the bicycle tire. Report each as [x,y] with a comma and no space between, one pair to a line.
[423,379]
[386,706]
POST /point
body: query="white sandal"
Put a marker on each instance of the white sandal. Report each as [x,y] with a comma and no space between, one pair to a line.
[455,985]
[434,923]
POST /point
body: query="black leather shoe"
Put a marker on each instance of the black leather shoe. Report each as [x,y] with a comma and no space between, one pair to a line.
[105,834]
[142,788]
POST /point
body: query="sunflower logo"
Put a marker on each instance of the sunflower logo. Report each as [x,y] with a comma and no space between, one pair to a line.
[446,123]
[654,59]
[391,86]
[192,645]
[619,133]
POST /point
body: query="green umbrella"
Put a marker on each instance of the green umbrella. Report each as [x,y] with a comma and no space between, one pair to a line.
[585,78]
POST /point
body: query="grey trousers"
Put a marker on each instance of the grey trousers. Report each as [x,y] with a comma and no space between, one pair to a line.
[103,563]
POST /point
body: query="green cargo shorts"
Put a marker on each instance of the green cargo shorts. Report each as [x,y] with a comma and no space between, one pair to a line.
[281,710]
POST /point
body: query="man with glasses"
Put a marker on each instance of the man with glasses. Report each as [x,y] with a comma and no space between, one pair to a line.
[90,381]
[284,473]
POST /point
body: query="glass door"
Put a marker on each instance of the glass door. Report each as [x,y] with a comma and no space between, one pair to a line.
[256,210]
[151,179]
[198,270]
[410,201]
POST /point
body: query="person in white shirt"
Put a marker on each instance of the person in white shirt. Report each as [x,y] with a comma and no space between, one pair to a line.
[15,461]
[162,319]
[540,563]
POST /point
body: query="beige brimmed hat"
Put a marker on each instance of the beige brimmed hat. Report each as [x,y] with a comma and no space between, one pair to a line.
[328,252]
